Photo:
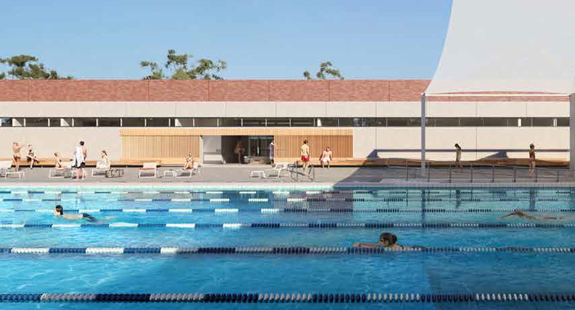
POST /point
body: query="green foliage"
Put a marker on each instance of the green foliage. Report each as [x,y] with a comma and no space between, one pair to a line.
[180,68]
[326,71]
[25,67]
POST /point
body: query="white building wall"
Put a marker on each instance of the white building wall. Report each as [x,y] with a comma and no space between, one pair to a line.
[46,141]
[406,140]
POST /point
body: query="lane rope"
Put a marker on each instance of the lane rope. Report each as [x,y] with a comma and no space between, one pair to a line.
[292,210]
[322,298]
[291,225]
[287,200]
[292,250]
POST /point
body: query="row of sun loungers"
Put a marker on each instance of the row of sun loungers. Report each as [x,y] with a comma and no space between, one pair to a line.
[148,170]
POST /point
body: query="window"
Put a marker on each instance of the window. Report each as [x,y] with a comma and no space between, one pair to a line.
[278,122]
[132,122]
[381,122]
[526,122]
[302,122]
[327,122]
[543,122]
[346,122]
[84,122]
[397,122]
[184,122]
[17,122]
[254,122]
[108,122]
[494,122]
[512,122]
[36,122]
[5,122]
[230,122]
[414,122]
[470,122]
[206,122]
[157,122]
[562,122]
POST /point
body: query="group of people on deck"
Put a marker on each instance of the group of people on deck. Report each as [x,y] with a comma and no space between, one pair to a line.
[78,160]
[532,158]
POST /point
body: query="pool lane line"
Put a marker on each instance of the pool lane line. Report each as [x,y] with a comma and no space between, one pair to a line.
[291,225]
[478,191]
[287,210]
[291,297]
[273,250]
[286,200]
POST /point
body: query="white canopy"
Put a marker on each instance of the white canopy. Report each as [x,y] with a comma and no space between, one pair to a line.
[508,46]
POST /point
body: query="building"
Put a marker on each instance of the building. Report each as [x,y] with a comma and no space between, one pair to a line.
[153,119]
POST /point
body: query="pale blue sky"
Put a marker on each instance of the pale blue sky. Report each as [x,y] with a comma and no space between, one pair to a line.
[259,39]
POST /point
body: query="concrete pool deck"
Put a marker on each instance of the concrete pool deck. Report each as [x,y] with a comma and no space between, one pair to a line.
[235,176]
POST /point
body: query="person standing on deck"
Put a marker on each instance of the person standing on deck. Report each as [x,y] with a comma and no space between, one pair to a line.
[272,151]
[458,157]
[80,156]
[305,156]
[531,159]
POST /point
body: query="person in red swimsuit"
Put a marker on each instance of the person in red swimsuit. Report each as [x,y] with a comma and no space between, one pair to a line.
[305,156]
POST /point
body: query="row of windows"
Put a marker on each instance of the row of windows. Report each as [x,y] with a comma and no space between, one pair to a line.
[286,122]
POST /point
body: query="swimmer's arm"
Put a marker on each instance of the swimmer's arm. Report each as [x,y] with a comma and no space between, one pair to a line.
[366,245]
[73,216]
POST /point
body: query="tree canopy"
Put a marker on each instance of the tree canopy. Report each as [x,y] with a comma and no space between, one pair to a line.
[26,67]
[180,67]
[326,71]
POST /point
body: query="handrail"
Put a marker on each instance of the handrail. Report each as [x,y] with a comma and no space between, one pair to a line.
[478,171]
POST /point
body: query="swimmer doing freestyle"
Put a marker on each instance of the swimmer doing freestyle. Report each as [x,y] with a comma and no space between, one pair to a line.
[59,212]
[386,240]
[528,216]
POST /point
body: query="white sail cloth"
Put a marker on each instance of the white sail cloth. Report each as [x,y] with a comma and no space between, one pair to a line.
[508,46]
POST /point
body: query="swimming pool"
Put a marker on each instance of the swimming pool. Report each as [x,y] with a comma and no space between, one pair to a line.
[286,248]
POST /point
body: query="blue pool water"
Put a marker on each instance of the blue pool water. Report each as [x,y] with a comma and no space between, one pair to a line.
[441,272]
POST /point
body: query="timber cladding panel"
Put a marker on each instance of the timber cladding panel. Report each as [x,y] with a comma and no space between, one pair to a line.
[146,146]
[177,142]
[288,146]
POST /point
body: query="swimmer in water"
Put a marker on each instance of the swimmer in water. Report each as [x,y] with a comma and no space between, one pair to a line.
[59,212]
[386,240]
[528,216]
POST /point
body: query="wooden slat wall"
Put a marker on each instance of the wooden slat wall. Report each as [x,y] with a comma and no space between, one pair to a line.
[160,146]
[166,143]
[288,146]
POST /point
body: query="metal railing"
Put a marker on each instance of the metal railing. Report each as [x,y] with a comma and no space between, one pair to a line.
[294,172]
[483,173]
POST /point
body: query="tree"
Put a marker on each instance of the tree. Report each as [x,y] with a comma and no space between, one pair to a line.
[325,69]
[181,69]
[26,67]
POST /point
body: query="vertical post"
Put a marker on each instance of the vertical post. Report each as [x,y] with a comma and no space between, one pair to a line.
[406,172]
[572,133]
[492,173]
[423,117]
[514,174]
[471,174]
[449,176]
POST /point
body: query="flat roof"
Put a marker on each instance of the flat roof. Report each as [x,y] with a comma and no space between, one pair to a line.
[230,90]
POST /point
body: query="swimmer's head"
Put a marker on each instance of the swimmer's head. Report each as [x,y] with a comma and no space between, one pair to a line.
[388,239]
[58,210]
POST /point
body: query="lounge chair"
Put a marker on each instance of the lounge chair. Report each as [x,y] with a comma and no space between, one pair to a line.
[61,173]
[148,168]
[4,166]
[101,170]
[277,171]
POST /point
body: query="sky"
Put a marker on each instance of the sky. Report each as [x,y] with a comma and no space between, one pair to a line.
[259,39]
